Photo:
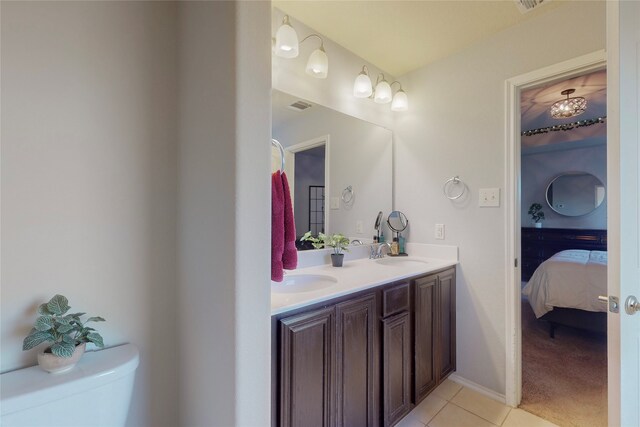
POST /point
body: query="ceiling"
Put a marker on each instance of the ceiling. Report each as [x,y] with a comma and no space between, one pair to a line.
[536,103]
[401,36]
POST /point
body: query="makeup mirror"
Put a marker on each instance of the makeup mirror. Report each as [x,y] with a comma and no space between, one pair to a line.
[397,221]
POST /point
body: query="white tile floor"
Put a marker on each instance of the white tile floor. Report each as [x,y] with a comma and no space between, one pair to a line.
[452,405]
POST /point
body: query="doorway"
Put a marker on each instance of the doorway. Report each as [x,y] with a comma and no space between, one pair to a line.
[514,87]
[564,250]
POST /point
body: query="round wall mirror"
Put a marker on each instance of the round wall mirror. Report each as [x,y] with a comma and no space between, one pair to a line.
[397,221]
[575,193]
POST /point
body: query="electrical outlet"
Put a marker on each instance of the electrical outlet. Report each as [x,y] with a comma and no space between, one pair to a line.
[489,197]
[359,226]
[440,231]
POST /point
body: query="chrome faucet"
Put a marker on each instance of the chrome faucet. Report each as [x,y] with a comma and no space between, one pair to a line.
[356,242]
[376,251]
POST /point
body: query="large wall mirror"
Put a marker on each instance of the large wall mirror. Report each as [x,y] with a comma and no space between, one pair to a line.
[575,193]
[339,167]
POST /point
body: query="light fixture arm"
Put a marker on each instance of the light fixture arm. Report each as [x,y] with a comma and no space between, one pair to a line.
[378,78]
[399,84]
[314,35]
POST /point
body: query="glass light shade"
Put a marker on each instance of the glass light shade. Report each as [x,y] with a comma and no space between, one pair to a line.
[569,107]
[286,40]
[383,93]
[318,64]
[362,87]
[400,101]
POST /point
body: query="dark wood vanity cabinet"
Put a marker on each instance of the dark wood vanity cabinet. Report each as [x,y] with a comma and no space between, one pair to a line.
[434,331]
[425,319]
[446,326]
[396,362]
[307,352]
[357,362]
[364,359]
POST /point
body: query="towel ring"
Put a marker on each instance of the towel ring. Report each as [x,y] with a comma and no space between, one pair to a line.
[347,194]
[448,186]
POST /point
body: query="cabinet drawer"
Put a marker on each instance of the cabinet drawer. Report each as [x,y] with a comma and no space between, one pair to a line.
[395,299]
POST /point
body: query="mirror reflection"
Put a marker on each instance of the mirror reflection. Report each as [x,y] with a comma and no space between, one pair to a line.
[575,193]
[326,153]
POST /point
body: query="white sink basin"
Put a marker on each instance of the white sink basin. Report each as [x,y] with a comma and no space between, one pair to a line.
[401,261]
[303,283]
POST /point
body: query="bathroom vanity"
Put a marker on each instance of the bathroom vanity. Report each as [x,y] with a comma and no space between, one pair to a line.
[366,348]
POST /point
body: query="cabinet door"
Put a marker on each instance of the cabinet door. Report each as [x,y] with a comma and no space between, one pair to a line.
[446,343]
[396,376]
[425,336]
[357,372]
[306,368]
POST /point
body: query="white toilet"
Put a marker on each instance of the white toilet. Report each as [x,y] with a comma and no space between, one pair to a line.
[97,392]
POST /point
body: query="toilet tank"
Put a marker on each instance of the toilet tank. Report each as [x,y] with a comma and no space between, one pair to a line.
[96,392]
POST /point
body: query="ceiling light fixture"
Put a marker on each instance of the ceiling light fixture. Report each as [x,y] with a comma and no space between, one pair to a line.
[569,107]
[286,45]
[383,94]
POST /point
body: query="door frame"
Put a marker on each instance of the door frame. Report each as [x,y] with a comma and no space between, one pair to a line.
[313,143]
[561,71]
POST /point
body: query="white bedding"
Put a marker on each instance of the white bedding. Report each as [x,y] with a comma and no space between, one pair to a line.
[571,279]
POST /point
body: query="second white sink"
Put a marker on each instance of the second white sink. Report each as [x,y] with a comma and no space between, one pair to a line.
[401,261]
[303,283]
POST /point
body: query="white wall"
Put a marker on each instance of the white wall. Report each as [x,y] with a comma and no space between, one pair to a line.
[537,171]
[455,126]
[336,91]
[224,218]
[89,179]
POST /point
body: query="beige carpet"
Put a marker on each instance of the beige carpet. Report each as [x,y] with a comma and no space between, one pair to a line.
[564,380]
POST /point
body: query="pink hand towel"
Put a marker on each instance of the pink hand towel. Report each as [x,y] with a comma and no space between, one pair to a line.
[277,227]
[290,255]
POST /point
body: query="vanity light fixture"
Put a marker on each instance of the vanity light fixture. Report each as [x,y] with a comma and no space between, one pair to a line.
[383,94]
[286,40]
[569,107]
[286,45]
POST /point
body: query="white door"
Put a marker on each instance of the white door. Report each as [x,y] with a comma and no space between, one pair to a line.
[623,48]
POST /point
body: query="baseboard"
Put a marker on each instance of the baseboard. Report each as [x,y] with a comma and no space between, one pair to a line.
[477,387]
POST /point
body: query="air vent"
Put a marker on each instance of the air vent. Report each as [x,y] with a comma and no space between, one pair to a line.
[300,106]
[525,6]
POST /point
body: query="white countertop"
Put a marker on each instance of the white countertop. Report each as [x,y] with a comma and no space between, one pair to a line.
[353,276]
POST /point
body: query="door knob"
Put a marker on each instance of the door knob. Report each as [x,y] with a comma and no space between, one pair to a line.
[631,305]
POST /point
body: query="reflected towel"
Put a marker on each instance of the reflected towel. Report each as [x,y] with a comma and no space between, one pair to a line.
[290,255]
[277,227]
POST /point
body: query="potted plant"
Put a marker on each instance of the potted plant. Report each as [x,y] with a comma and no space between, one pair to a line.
[338,242]
[535,210]
[67,334]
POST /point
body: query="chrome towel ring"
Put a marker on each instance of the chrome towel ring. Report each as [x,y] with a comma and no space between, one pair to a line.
[347,194]
[449,188]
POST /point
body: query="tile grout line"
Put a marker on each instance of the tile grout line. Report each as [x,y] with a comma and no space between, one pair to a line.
[505,418]
[482,418]
[446,400]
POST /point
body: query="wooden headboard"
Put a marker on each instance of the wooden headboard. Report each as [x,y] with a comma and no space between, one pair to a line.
[539,244]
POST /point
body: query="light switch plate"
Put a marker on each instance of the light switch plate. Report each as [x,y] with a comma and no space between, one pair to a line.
[335,203]
[489,197]
[439,233]
[359,226]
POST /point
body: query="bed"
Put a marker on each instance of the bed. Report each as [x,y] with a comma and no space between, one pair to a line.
[564,290]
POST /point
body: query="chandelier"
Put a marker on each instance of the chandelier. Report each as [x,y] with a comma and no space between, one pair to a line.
[569,107]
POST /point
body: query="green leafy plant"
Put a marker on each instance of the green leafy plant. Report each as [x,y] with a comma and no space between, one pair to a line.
[65,331]
[535,210]
[338,242]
